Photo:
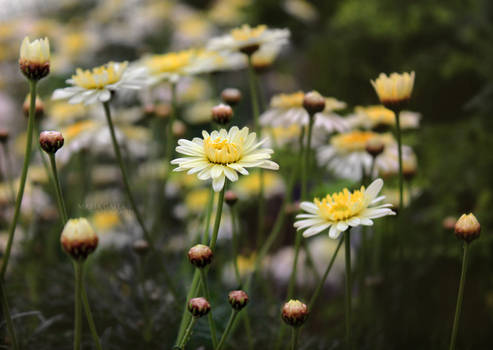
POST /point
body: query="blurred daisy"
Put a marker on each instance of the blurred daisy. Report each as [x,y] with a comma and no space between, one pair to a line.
[228,12]
[388,161]
[301,9]
[62,113]
[169,66]
[248,40]
[223,154]
[281,136]
[207,61]
[96,85]
[371,117]
[199,112]
[346,154]
[249,187]
[341,210]
[265,56]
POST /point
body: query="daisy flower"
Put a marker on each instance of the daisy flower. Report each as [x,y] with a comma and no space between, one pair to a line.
[248,40]
[96,85]
[372,117]
[169,66]
[341,210]
[223,154]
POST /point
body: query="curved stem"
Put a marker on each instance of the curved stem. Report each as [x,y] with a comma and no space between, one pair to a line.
[294,338]
[231,320]
[460,296]
[217,221]
[59,196]
[212,325]
[123,170]
[22,184]
[90,319]
[188,333]
[8,317]
[78,308]
[324,277]
[347,246]
[235,246]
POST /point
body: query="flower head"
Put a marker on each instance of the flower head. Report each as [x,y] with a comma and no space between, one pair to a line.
[294,313]
[467,227]
[34,59]
[394,90]
[78,238]
[223,154]
[168,66]
[376,117]
[199,307]
[340,210]
[93,85]
[238,299]
[51,141]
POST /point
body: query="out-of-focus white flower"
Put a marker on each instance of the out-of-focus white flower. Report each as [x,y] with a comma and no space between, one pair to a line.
[249,186]
[301,9]
[371,117]
[388,162]
[169,66]
[207,61]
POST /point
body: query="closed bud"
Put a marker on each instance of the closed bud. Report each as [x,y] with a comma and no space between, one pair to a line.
[162,111]
[294,313]
[39,107]
[449,223]
[200,255]
[230,198]
[313,102]
[394,90]
[51,141]
[4,135]
[34,60]
[78,238]
[141,247]
[222,114]
[199,307]
[149,110]
[179,128]
[467,228]
[374,147]
[238,299]
[231,96]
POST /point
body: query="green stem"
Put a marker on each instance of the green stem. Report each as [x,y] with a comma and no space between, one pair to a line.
[185,318]
[126,183]
[169,129]
[305,160]
[347,246]
[8,167]
[78,306]
[188,333]
[7,316]
[90,319]
[212,325]
[210,205]
[294,338]
[253,96]
[217,222]
[22,184]
[235,246]
[324,277]
[231,320]
[460,296]
[399,151]
[59,196]
[248,329]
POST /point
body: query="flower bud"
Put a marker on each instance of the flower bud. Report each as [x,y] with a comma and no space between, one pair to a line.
[38,107]
[467,228]
[222,114]
[238,299]
[394,91]
[4,135]
[230,198]
[199,307]
[448,223]
[162,111]
[179,128]
[141,247]
[51,141]
[294,313]
[200,255]
[313,102]
[231,96]
[34,60]
[374,147]
[78,238]
[149,110]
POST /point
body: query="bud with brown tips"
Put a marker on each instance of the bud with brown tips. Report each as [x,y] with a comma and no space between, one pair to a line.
[374,147]
[199,307]
[222,114]
[313,102]
[34,60]
[238,299]
[230,198]
[294,313]
[200,255]
[51,141]
[467,228]
[231,96]
[78,238]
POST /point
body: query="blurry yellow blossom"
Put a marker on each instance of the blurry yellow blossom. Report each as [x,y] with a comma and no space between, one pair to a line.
[199,112]
[197,199]
[227,12]
[105,220]
[169,66]
[373,116]
[249,186]
[62,112]
[301,9]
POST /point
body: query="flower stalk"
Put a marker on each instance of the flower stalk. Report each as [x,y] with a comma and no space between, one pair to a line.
[229,325]
[347,246]
[78,305]
[8,318]
[205,289]
[294,337]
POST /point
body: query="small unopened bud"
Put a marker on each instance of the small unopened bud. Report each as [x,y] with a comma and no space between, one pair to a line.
[78,238]
[374,147]
[34,60]
[51,141]
[4,135]
[238,299]
[179,128]
[467,228]
[294,313]
[313,102]
[200,255]
[231,96]
[222,114]
[199,307]
[141,247]
[449,223]
[38,107]
[162,111]
[149,110]
[230,198]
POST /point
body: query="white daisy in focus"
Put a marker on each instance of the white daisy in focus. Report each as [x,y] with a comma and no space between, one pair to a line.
[223,154]
[97,84]
[339,211]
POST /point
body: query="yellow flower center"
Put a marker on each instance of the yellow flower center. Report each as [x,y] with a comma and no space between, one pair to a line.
[342,205]
[352,141]
[287,101]
[221,150]
[172,62]
[246,32]
[99,77]
[378,114]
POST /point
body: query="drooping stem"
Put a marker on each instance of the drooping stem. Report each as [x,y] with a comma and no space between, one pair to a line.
[231,320]
[460,296]
[205,289]
[22,184]
[123,170]
[187,334]
[78,306]
[399,152]
[324,277]
[347,246]
[90,319]
[217,221]
[294,337]
[8,317]
[58,190]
